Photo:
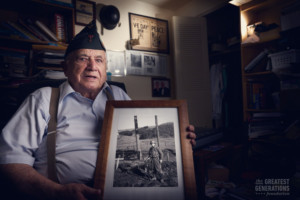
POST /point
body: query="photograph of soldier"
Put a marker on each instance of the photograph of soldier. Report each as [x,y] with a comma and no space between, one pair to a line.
[154,161]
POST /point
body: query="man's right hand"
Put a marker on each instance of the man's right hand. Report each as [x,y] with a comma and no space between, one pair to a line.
[76,191]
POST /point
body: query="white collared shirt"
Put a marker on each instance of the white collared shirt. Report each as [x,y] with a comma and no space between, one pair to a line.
[79,122]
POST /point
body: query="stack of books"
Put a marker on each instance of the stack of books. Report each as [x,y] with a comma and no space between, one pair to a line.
[49,59]
[262,124]
[13,62]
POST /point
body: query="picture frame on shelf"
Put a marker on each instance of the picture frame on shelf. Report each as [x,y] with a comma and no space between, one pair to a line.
[130,128]
[85,12]
[161,87]
[148,33]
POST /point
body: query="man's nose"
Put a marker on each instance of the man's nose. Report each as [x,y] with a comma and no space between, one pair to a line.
[91,64]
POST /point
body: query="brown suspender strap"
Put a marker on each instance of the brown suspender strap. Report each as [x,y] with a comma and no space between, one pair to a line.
[51,136]
[109,95]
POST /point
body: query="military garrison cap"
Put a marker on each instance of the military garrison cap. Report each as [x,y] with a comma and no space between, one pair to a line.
[88,38]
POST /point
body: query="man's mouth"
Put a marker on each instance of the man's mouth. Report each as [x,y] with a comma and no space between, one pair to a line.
[90,76]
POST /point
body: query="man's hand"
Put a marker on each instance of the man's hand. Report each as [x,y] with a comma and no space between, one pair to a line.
[76,191]
[28,182]
[191,134]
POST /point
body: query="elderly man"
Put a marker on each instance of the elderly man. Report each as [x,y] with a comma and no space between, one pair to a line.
[81,105]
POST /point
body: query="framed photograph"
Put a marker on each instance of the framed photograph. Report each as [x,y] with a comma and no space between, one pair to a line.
[144,152]
[151,34]
[161,87]
[85,12]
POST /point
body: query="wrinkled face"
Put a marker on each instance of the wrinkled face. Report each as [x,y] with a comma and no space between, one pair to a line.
[86,71]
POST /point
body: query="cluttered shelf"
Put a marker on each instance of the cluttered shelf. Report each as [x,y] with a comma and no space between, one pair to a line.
[33,34]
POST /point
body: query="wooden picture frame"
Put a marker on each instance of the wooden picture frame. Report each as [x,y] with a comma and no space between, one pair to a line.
[161,87]
[123,170]
[85,12]
[149,34]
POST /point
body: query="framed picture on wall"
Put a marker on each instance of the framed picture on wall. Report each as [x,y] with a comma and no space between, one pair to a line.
[132,133]
[149,34]
[161,87]
[85,12]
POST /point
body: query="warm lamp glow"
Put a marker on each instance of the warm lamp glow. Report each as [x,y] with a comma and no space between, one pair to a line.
[244,23]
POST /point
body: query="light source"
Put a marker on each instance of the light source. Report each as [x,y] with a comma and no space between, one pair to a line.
[239,2]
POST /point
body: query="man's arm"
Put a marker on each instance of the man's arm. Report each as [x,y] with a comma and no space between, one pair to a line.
[28,181]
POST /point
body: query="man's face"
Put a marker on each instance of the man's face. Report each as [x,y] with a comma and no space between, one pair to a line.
[86,71]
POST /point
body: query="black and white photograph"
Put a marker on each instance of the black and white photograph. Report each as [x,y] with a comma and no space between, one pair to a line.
[149,61]
[143,151]
[161,87]
[136,60]
[146,154]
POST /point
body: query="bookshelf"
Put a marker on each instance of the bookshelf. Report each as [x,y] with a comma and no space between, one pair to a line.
[270,97]
[18,49]
[26,15]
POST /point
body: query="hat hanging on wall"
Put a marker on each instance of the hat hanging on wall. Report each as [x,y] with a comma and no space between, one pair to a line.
[109,17]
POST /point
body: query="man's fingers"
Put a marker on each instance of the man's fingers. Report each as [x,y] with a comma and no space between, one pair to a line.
[191,128]
[92,193]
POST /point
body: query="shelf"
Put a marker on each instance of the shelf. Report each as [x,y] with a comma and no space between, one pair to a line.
[51,68]
[260,87]
[235,49]
[23,40]
[264,73]
[262,110]
[261,43]
[262,4]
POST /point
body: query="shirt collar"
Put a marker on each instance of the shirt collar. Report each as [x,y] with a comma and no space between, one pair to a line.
[66,89]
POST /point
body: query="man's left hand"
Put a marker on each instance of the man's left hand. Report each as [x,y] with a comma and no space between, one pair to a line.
[191,134]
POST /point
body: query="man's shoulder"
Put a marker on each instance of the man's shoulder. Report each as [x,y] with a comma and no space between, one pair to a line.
[119,93]
[42,94]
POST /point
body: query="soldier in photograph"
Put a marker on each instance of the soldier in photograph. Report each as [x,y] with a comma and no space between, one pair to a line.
[155,157]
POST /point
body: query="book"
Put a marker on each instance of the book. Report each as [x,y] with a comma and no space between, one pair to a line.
[16,70]
[8,33]
[28,28]
[254,62]
[36,30]
[13,31]
[266,123]
[260,95]
[51,61]
[46,30]
[60,27]
[21,30]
